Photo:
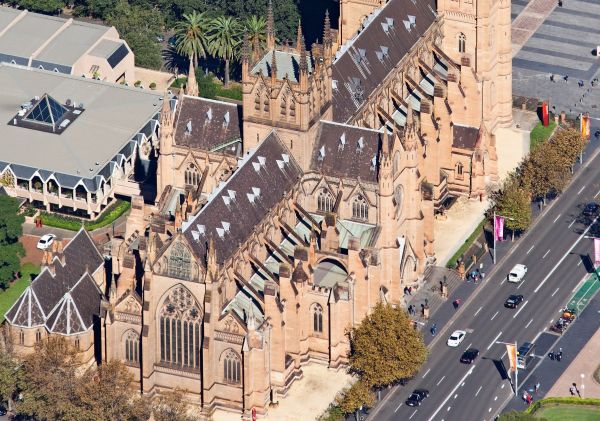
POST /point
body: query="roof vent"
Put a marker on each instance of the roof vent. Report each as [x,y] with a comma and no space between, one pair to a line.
[209,114]
[280,164]
[374,163]
[256,191]
[413,20]
[334,84]
[226,119]
[220,232]
[285,157]
[390,22]
[342,142]
[407,25]
[256,166]
[225,225]
[196,235]
[188,127]
[68,102]
[322,153]
[360,144]
[262,160]
[250,197]
[386,27]
[201,229]
[231,194]
[227,200]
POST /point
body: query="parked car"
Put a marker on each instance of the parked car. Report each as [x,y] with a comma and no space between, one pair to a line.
[591,209]
[417,397]
[469,356]
[456,338]
[517,273]
[513,301]
[45,241]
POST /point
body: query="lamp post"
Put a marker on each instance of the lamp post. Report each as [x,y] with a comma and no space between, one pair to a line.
[516,385]
[494,227]
[582,386]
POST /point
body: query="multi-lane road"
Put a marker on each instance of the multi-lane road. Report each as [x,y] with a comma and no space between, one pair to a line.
[555,252]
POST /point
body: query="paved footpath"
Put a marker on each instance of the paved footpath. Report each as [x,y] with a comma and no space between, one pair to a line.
[528,21]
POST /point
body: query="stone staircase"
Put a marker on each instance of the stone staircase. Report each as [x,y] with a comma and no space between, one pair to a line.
[429,290]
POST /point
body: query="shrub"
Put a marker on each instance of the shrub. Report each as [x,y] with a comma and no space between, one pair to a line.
[565,401]
[29,211]
[109,215]
[137,83]
[152,86]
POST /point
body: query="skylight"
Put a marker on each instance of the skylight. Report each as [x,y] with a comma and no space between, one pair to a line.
[46,111]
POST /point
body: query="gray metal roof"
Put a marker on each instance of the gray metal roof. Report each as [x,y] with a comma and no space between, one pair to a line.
[28,34]
[288,64]
[113,116]
[105,48]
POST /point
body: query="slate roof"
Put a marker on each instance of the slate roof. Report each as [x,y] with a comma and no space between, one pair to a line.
[288,65]
[209,125]
[67,301]
[464,137]
[365,61]
[238,205]
[347,151]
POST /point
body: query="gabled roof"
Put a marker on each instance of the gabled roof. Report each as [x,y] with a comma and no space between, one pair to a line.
[288,65]
[209,125]
[238,205]
[365,61]
[347,151]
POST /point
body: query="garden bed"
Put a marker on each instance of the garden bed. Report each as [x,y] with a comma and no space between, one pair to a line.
[110,214]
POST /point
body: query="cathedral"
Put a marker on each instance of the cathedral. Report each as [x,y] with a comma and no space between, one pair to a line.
[280,222]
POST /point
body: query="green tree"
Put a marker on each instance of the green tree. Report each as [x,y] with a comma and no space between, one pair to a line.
[544,171]
[171,406]
[514,203]
[568,144]
[256,29]
[8,377]
[385,347]
[359,395]
[519,416]
[191,36]
[11,229]
[50,7]
[223,40]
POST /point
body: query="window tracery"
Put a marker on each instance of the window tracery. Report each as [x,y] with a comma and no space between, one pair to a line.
[360,208]
[132,347]
[192,176]
[317,318]
[179,262]
[462,43]
[232,367]
[324,201]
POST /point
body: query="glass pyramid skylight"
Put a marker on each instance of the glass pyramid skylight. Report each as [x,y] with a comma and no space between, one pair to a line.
[46,111]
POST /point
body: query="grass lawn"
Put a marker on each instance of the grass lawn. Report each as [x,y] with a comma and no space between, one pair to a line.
[468,242]
[540,134]
[9,296]
[569,413]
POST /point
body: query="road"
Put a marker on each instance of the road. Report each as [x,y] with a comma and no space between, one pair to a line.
[556,251]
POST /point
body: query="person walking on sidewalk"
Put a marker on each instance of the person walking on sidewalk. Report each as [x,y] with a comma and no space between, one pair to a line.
[572,390]
[537,387]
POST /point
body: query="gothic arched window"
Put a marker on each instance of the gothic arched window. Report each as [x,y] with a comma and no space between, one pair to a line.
[192,176]
[317,318]
[232,367]
[292,108]
[21,337]
[462,43]
[324,201]
[179,326]
[283,106]
[132,348]
[179,262]
[459,169]
[360,208]
[38,336]
[398,197]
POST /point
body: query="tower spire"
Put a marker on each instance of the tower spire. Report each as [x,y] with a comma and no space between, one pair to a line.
[303,57]
[327,29]
[245,48]
[273,66]
[299,37]
[270,27]
[192,85]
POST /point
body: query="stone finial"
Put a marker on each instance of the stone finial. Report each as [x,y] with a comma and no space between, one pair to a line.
[192,84]
[327,39]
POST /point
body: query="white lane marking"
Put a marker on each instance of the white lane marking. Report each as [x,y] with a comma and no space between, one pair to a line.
[441,380]
[463,383]
[494,341]
[455,395]
[502,387]
[596,195]
[495,398]
[504,280]
[572,222]
[452,392]
[490,410]
[477,312]
[555,292]
[413,414]
[469,346]
[397,408]
[580,282]
[494,316]
[559,215]
[541,284]
[580,262]
[521,308]
[478,390]
[426,373]
[448,410]
[527,325]
[521,283]
[546,254]
[529,251]
[580,190]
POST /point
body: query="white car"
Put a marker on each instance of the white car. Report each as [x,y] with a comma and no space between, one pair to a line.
[517,273]
[46,241]
[456,338]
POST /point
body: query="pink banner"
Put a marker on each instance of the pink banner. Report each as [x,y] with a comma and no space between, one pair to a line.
[499,228]
[597,251]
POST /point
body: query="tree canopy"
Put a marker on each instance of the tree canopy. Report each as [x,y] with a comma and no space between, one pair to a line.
[519,416]
[11,250]
[514,203]
[359,395]
[385,347]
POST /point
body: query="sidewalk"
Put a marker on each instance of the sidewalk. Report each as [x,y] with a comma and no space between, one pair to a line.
[528,21]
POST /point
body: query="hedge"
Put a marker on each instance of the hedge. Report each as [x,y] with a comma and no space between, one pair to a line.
[566,401]
[110,214]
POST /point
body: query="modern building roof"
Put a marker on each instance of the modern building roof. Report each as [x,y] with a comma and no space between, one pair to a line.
[208,125]
[67,300]
[238,205]
[288,65]
[347,151]
[48,41]
[113,116]
[364,61]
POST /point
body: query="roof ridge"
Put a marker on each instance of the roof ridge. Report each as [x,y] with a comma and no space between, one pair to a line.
[351,126]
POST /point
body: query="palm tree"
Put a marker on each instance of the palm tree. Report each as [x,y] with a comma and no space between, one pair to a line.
[223,40]
[191,36]
[256,28]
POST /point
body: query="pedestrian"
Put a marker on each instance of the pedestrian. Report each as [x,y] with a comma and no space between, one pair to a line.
[552,78]
[433,329]
[405,290]
[537,387]
[566,78]
[409,290]
[482,276]
[572,390]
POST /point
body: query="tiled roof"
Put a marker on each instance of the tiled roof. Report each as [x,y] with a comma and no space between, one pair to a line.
[55,299]
[347,151]
[238,205]
[208,125]
[464,137]
[365,61]
[288,65]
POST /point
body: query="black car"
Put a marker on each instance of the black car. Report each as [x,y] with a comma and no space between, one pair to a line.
[417,397]
[469,356]
[591,209]
[513,301]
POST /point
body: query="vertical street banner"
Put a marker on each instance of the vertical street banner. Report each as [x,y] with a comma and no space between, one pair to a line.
[597,251]
[499,228]
[545,114]
[584,123]
[511,351]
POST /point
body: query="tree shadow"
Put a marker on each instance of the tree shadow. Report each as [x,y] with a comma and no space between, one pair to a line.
[583,220]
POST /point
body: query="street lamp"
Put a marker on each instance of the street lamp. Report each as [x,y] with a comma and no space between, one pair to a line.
[516,384]
[494,227]
[582,386]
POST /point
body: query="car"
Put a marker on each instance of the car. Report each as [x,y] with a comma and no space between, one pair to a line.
[591,209]
[469,356]
[513,301]
[456,338]
[517,273]
[417,397]
[46,241]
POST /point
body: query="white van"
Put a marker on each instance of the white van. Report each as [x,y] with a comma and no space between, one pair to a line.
[517,273]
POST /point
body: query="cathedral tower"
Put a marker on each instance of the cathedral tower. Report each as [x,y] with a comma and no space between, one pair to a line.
[352,15]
